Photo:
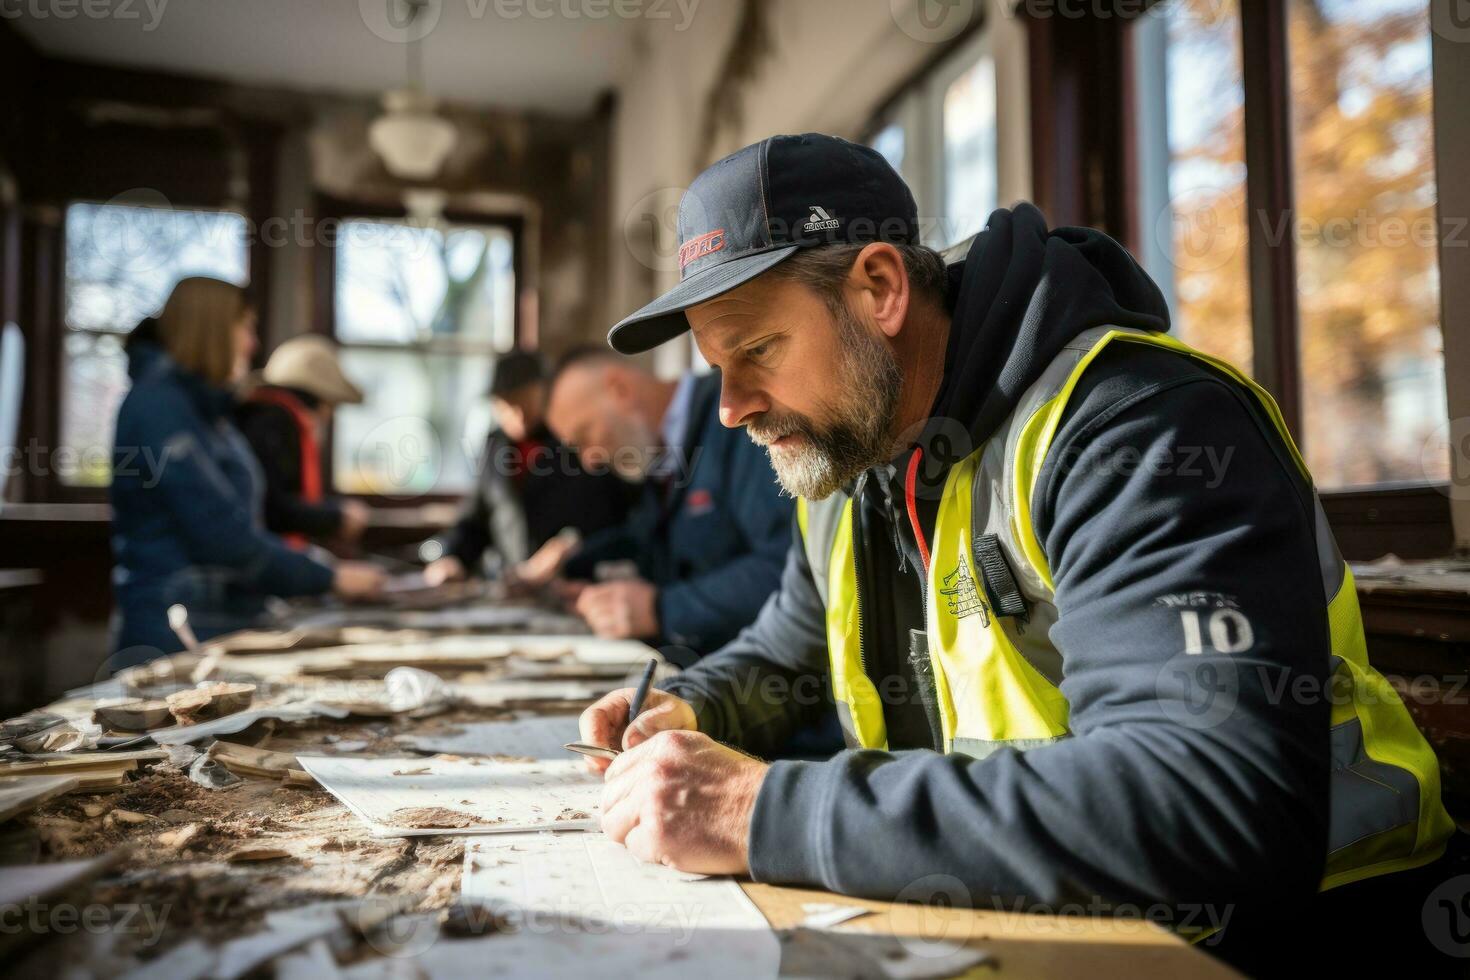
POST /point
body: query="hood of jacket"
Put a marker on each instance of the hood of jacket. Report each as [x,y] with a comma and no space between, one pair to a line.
[1021,294]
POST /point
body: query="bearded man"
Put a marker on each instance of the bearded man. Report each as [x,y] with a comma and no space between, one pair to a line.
[707,531]
[1084,624]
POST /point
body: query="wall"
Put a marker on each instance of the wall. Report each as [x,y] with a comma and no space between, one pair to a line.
[827,65]
[1452,148]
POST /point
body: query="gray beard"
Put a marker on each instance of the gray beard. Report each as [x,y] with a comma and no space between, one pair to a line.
[860,436]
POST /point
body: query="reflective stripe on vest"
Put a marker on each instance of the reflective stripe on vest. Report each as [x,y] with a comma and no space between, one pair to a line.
[998,679]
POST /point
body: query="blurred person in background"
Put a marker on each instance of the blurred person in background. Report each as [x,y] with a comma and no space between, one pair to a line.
[529,489]
[186,492]
[284,419]
[709,533]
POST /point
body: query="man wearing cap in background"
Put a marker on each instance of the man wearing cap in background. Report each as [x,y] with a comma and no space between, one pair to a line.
[284,419]
[708,534]
[530,488]
[1089,638]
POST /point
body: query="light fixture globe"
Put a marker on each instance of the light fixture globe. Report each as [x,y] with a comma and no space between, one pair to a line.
[410,137]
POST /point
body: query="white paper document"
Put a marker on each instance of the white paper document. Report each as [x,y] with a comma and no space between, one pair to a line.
[533,738]
[499,693]
[583,904]
[415,797]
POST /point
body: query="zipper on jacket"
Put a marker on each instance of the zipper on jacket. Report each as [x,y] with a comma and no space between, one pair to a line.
[859,568]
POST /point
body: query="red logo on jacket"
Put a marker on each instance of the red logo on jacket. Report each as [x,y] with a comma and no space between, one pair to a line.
[700,501]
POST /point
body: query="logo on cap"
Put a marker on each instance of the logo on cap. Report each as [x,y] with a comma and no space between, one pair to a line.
[698,248]
[819,221]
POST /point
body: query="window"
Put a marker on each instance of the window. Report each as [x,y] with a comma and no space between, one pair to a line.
[121,263]
[1355,346]
[1190,118]
[889,141]
[1366,259]
[940,135]
[968,128]
[421,312]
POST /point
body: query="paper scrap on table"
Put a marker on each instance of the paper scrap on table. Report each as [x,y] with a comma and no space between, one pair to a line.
[22,883]
[584,905]
[499,693]
[241,720]
[586,649]
[540,737]
[477,617]
[281,932]
[19,794]
[807,952]
[825,915]
[411,689]
[406,582]
[460,796]
[480,618]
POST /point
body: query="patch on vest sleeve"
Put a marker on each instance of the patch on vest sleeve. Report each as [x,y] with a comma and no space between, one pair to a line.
[960,594]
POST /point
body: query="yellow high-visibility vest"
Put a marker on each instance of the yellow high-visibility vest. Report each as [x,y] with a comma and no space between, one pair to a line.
[997,681]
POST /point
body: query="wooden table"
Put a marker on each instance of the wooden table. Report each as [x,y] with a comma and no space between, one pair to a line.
[1020,944]
[329,855]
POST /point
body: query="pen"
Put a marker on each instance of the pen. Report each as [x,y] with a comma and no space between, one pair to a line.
[639,696]
[642,693]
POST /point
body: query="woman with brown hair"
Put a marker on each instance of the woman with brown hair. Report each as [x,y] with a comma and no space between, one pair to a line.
[186,491]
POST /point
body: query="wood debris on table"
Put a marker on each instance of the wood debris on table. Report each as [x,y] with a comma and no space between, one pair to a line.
[239,862]
[209,701]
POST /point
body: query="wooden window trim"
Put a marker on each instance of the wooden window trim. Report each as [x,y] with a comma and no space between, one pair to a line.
[1270,198]
[1411,519]
[324,272]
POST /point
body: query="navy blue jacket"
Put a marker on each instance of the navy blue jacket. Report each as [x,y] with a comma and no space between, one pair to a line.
[186,514]
[716,546]
[1146,803]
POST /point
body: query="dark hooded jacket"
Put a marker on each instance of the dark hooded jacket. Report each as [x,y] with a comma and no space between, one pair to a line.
[187,514]
[1135,808]
[518,503]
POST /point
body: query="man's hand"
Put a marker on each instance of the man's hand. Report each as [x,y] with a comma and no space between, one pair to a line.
[546,563]
[358,579]
[355,517]
[622,610]
[606,722]
[441,570]
[683,800]
[568,591]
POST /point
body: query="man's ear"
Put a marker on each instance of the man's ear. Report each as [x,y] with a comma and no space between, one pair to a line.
[882,280]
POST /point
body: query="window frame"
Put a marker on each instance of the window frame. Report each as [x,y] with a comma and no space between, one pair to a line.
[51,488]
[1086,170]
[917,105]
[1275,315]
[339,211]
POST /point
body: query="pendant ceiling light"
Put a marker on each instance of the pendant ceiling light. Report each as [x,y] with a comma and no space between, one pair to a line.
[410,136]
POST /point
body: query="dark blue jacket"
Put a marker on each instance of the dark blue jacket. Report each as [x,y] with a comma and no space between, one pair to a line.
[715,547]
[186,514]
[1164,479]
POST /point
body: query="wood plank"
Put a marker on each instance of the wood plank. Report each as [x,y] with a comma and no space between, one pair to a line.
[80,761]
[245,760]
[1021,944]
